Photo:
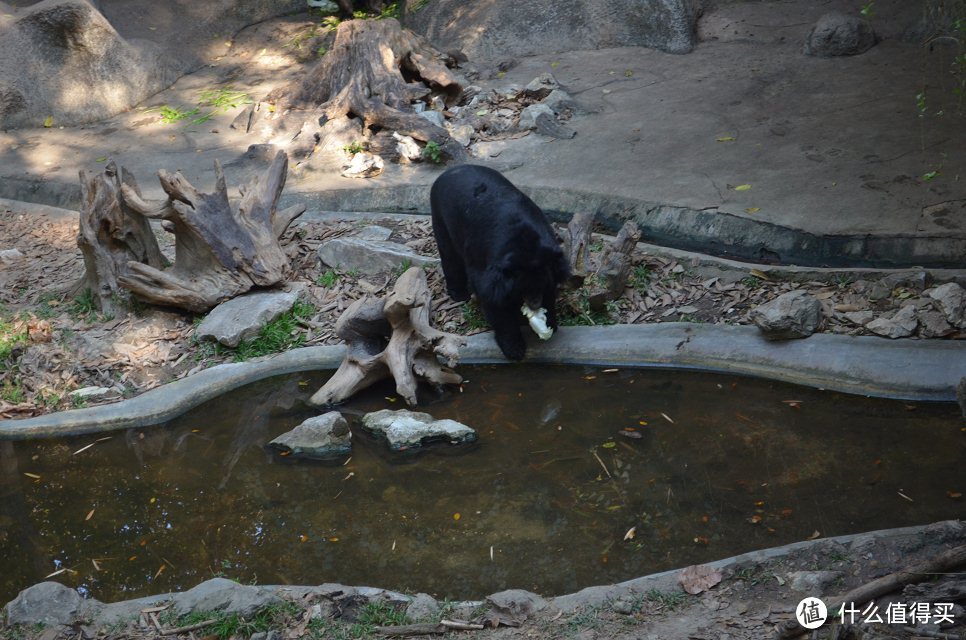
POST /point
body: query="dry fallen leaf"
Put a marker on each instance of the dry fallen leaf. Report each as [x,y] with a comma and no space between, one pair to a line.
[698,578]
[631,533]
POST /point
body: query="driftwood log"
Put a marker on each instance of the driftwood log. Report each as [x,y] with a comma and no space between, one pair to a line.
[374,71]
[112,234]
[221,251]
[392,337]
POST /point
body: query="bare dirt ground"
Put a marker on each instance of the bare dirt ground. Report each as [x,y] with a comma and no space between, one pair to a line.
[55,343]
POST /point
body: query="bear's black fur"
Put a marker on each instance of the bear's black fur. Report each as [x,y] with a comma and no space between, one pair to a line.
[494,242]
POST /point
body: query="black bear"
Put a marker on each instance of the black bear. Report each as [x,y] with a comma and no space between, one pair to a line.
[494,242]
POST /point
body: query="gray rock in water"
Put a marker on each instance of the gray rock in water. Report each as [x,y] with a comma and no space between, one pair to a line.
[837,34]
[321,437]
[518,603]
[813,583]
[795,314]
[561,102]
[423,608]
[406,429]
[48,603]
[528,117]
[243,317]
[226,596]
[370,256]
[902,324]
[951,299]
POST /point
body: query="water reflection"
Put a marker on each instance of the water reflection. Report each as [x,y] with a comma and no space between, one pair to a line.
[569,460]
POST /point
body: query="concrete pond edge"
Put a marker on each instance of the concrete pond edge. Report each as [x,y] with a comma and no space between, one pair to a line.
[706,230]
[913,370]
[52,603]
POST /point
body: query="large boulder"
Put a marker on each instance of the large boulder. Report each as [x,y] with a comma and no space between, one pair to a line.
[64,61]
[502,28]
[75,61]
[836,34]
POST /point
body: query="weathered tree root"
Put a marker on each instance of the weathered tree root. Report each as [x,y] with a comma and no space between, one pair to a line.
[392,337]
[220,251]
[112,235]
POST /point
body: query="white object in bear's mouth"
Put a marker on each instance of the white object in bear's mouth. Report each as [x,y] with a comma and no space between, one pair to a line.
[538,321]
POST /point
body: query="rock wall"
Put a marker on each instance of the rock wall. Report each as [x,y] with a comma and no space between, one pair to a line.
[502,28]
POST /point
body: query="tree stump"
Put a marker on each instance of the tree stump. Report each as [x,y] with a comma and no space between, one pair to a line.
[392,337]
[577,247]
[220,251]
[112,235]
[615,266]
[374,71]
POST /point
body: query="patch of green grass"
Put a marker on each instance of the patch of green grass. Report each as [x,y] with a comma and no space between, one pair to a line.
[402,268]
[12,392]
[354,147]
[640,277]
[670,600]
[84,306]
[170,115]
[328,279]
[381,613]
[576,311]
[392,10]
[416,5]
[596,246]
[228,625]
[473,316]
[11,337]
[584,618]
[433,152]
[45,309]
[223,99]
[276,336]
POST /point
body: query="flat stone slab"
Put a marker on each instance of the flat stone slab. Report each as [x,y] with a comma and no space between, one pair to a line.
[370,257]
[406,429]
[243,317]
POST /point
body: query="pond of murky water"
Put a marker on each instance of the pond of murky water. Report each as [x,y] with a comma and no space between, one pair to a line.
[696,466]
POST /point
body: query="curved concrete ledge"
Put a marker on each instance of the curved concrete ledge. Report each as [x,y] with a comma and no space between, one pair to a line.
[705,230]
[711,231]
[904,369]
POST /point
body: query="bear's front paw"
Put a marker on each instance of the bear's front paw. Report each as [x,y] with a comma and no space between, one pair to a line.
[458,295]
[512,346]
